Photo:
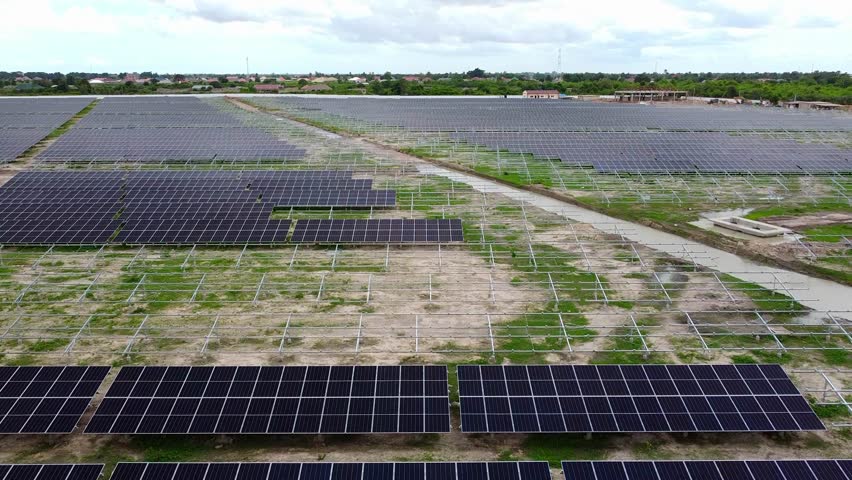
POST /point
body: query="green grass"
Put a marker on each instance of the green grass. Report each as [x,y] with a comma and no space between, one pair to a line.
[831,412]
[743,358]
[763,298]
[555,448]
[829,233]
[798,210]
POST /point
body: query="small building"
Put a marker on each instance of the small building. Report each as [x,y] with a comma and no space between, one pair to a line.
[267,87]
[545,94]
[316,88]
[813,105]
[358,80]
[323,79]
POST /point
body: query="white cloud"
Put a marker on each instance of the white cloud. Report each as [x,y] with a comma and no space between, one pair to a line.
[420,35]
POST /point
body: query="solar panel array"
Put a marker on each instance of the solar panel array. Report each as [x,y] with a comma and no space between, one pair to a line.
[334,471]
[46,399]
[25,121]
[521,115]
[612,137]
[162,129]
[275,399]
[55,471]
[710,470]
[631,398]
[670,151]
[170,207]
[379,231]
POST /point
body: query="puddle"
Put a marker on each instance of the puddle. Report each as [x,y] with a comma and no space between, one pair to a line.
[812,292]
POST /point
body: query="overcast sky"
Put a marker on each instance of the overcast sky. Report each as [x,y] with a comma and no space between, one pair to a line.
[412,36]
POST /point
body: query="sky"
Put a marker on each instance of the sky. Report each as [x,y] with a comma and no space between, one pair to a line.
[418,36]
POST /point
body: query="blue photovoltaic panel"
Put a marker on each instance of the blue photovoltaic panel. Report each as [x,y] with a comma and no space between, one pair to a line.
[613,137]
[51,471]
[25,121]
[631,398]
[163,130]
[46,399]
[170,207]
[379,231]
[276,399]
[334,471]
[710,470]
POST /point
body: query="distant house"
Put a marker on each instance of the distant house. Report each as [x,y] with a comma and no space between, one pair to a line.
[323,79]
[267,87]
[316,88]
[411,78]
[164,81]
[546,94]
[358,80]
[813,105]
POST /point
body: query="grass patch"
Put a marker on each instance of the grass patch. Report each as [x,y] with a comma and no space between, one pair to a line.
[555,448]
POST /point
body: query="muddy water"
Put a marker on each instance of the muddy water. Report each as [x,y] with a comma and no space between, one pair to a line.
[812,292]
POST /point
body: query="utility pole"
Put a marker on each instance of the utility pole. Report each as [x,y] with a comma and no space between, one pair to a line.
[559,63]
[247,68]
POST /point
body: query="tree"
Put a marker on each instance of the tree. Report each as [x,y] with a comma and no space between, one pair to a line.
[387,76]
[84,86]
[476,72]
[732,91]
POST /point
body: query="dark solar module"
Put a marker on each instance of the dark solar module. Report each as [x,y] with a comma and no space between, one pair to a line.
[46,399]
[705,152]
[709,470]
[276,399]
[378,231]
[522,115]
[51,471]
[170,207]
[24,122]
[613,137]
[163,130]
[335,471]
[631,398]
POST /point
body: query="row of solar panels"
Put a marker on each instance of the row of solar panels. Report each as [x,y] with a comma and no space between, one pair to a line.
[219,207]
[490,114]
[24,122]
[670,152]
[235,226]
[178,129]
[574,470]
[404,399]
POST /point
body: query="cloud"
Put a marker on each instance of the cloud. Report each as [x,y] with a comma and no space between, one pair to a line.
[419,35]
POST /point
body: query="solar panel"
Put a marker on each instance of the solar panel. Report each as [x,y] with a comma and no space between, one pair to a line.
[46,399]
[51,471]
[275,399]
[176,129]
[631,398]
[170,207]
[24,122]
[334,471]
[378,231]
[710,470]
[606,136]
